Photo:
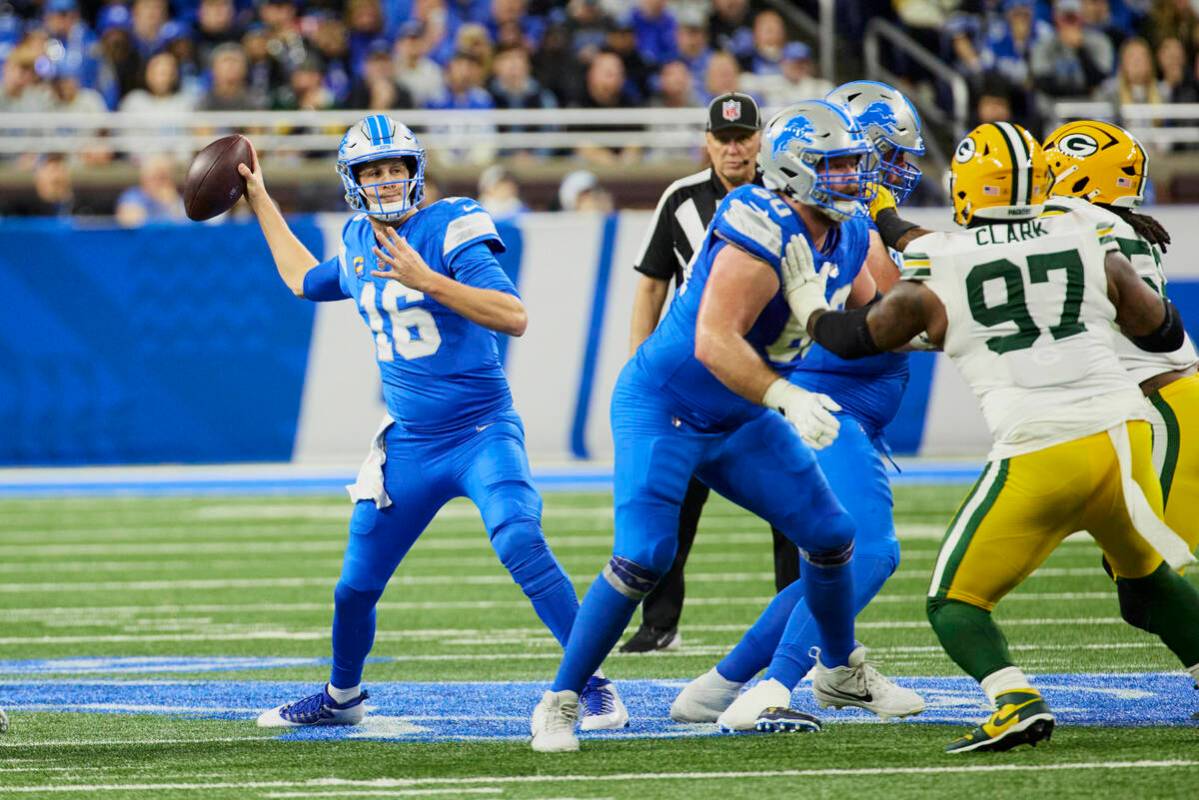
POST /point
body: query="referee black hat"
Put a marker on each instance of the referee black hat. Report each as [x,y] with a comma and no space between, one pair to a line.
[734,110]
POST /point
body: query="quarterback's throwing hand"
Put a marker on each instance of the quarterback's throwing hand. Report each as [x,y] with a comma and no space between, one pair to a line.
[404,263]
[803,286]
[810,412]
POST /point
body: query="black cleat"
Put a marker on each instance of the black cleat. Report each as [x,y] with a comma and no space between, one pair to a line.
[647,640]
[777,719]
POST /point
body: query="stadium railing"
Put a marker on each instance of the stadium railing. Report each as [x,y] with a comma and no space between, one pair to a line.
[879,31]
[518,129]
[1158,125]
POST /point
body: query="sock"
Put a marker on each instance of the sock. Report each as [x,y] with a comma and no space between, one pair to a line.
[792,658]
[343,695]
[829,596]
[970,637]
[751,655]
[1164,603]
[602,618]
[353,633]
[1008,679]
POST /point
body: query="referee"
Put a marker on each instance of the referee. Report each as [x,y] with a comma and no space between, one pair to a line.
[732,140]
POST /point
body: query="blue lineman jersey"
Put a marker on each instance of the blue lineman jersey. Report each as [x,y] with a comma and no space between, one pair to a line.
[761,223]
[440,371]
[870,389]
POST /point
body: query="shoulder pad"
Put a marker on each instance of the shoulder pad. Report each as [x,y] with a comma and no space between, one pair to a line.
[749,217]
[464,222]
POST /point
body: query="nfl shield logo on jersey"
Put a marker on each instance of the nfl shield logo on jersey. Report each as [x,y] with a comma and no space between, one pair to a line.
[731,110]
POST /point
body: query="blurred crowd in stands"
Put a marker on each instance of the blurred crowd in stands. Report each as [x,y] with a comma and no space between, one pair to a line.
[171,55]
[148,56]
[1020,56]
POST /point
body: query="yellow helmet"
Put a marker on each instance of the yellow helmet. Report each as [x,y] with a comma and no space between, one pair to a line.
[1099,162]
[998,172]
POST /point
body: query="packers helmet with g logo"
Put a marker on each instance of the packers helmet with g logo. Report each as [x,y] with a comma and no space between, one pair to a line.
[998,172]
[1099,162]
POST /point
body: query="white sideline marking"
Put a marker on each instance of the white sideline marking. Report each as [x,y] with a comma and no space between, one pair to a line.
[5,745]
[35,613]
[388,792]
[429,580]
[398,783]
[473,636]
[551,652]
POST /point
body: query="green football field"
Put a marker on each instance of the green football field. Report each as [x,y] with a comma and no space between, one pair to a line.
[139,637]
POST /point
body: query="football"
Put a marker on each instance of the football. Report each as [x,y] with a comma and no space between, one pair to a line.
[213,184]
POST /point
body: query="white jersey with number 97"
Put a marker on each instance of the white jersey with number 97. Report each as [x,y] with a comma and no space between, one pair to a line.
[1031,328]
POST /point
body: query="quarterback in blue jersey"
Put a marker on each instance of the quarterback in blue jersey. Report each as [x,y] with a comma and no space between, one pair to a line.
[427,284]
[700,398]
[869,392]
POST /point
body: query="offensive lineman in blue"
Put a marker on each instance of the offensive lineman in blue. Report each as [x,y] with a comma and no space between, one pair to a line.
[427,284]
[700,397]
[869,392]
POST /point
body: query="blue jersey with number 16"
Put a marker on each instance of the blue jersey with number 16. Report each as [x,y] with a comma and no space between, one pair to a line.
[440,370]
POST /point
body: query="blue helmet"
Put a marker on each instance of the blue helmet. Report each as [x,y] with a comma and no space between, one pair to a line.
[797,144]
[892,124]
[375,138]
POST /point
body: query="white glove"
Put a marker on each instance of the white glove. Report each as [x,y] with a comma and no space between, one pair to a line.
[803,286]
[809,412]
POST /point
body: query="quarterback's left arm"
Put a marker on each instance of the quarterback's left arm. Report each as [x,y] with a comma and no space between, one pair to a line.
[889,324]
[492,308]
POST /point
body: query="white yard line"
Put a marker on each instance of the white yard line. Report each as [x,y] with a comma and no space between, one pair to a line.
[400,783]
[471,636]
[427,580]
[33,613]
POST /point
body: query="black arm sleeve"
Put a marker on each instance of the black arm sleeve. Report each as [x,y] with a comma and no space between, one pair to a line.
[845,333]
[891,227]
[1166,339]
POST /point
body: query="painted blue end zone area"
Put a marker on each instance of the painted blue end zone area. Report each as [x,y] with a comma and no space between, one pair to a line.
[456,711]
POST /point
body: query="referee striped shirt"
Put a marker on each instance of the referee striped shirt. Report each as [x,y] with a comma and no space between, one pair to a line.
[679,224]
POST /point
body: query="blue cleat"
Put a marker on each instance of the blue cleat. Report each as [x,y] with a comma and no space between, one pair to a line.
[316,709]
[600,706]
[777,719]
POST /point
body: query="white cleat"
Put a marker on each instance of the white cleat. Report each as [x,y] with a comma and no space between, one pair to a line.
[553,723]
[705,698]
[600,706]
[863,686]
[743,714]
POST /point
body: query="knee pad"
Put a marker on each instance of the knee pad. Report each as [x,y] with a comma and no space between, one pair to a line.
[827,559]
[347,598]
[518,540]
[885,551]
[526,555]
[630,578]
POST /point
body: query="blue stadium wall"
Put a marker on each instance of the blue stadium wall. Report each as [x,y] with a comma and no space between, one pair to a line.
[179,344]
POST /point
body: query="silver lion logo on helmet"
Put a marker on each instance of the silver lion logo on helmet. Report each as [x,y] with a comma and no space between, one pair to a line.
[731,110]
